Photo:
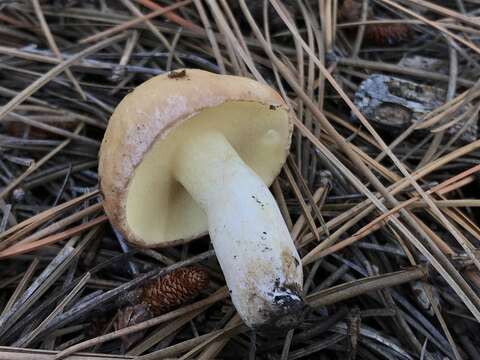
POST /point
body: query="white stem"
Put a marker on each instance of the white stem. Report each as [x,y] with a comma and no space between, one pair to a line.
[252,243]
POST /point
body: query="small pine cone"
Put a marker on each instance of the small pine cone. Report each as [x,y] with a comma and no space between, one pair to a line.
[387,34]
[174,289]
[376,34]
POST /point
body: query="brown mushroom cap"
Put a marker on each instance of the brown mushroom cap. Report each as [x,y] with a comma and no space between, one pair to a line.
[141,196]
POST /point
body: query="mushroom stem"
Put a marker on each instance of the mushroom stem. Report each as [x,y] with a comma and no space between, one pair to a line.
[253,246]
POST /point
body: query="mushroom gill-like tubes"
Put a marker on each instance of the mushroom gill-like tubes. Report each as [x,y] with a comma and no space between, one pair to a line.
[253,246]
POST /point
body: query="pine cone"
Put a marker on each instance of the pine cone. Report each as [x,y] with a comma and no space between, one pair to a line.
[387,34]
[377,34]
[174,289]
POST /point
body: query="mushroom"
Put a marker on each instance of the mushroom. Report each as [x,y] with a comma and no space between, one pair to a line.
[192,152]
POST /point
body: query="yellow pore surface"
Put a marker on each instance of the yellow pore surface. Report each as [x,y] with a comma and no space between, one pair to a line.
[159,210]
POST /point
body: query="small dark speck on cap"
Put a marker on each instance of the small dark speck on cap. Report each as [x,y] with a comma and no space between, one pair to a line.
[177,74]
